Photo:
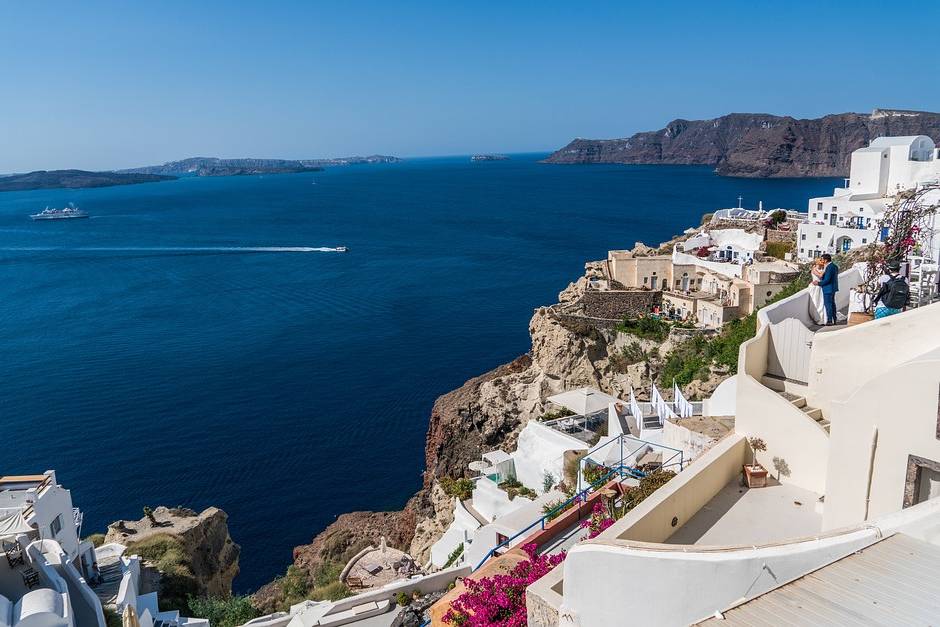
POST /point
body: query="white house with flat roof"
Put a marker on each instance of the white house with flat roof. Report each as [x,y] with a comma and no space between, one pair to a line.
[50,577]
[851,216]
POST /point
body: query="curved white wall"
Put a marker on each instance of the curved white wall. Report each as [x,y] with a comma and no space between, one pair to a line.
[642,582]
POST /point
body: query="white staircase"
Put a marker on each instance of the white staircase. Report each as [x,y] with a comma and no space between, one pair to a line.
[795,393]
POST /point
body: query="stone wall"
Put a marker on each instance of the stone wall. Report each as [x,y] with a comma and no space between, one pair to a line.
[615,305]
[751,226]
[774,235]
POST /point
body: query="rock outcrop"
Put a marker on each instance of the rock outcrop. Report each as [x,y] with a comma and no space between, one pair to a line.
[202,547]
[755,144]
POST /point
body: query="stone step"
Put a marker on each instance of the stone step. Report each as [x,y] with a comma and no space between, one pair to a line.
[813,412]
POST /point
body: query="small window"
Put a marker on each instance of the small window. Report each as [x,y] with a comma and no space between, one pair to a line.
[56,526]
[818,234]
[864,240]
[769,293]
[801,251]
[825,216]
[819,206]
[802,235]
[646,280]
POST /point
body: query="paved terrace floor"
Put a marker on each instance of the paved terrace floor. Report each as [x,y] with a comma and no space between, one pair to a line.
[738,515]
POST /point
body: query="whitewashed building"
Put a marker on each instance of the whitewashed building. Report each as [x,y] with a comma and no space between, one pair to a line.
[851,216]
[849,519]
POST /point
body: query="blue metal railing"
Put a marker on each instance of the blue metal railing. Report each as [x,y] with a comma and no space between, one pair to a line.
[620,469]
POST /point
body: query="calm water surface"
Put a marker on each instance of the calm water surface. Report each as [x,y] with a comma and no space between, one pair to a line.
[287,388]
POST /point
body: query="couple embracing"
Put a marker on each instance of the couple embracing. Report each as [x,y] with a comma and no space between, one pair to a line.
[822,292]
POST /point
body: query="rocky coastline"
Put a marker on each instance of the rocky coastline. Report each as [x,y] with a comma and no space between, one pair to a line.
[755,145]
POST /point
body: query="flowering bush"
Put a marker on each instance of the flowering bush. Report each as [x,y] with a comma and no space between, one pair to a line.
[499,601]
[599,520]
[594,473]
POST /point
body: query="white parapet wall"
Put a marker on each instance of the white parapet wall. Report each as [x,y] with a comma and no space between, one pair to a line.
[842,361]
[884,442]
[674,504]
[608,581]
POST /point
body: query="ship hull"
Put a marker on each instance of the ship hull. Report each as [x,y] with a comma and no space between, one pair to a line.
[58,217]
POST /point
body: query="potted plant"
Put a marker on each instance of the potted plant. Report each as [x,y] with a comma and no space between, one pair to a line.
[756,474]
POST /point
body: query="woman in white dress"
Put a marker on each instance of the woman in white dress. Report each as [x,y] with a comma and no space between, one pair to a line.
[817,308]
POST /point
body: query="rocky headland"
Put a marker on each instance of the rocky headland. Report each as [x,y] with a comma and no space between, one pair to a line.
[755,144]
[184,552]
[75,179]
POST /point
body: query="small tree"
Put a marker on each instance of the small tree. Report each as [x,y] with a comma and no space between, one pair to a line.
[757,444]
[548,482]
[149,514]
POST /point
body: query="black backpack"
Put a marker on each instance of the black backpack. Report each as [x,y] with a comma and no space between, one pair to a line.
[898,293]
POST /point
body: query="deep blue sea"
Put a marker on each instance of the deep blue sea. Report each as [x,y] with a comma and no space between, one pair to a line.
[287,388]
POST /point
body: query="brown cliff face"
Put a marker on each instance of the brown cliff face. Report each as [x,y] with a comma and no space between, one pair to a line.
[755,144]
[196,547]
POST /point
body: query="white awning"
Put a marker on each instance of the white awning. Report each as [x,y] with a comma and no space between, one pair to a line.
[13,525]
[583,401]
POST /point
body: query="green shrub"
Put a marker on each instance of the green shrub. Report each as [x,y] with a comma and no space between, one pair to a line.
[402,599]
[295,582]
[230,612]
[327,572]
[630,354]
[550,511]
[647,327]
[594,473]
[454,556]
[564,412]
[648,484]
[779,249]
[112,618]
[778,216]
[97,539]
[330,592]
[548,481]
[514,488]
[459,488]
[167,554]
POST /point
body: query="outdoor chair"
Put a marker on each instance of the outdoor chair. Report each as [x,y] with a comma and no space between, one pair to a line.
[30,578]
[14,553]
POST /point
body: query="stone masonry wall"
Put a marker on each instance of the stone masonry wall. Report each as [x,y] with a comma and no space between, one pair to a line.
[616,304]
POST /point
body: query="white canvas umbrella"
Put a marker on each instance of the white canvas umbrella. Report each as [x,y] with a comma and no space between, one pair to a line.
[583,401]
[14,525]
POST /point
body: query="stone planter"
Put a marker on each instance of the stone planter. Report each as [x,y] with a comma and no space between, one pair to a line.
[756,476]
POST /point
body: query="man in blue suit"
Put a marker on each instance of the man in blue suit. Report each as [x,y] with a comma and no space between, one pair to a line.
[829,282]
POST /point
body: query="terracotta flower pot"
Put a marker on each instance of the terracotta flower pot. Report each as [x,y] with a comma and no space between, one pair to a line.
[756,476]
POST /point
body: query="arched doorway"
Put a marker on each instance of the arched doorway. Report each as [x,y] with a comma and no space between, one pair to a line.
[844,243]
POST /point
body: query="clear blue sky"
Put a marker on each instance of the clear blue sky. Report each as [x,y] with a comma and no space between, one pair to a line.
[108,85]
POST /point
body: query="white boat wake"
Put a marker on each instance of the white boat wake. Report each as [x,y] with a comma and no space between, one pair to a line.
[179,249]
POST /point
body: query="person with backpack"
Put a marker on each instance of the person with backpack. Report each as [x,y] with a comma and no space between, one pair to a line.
[895,292]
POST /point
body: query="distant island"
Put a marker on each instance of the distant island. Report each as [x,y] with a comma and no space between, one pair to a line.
[213,166]
[755,145]
[74,179]
[371,159]
[489,158]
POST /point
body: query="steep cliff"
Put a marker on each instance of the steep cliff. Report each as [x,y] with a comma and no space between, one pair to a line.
[755,144]
[193,553]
